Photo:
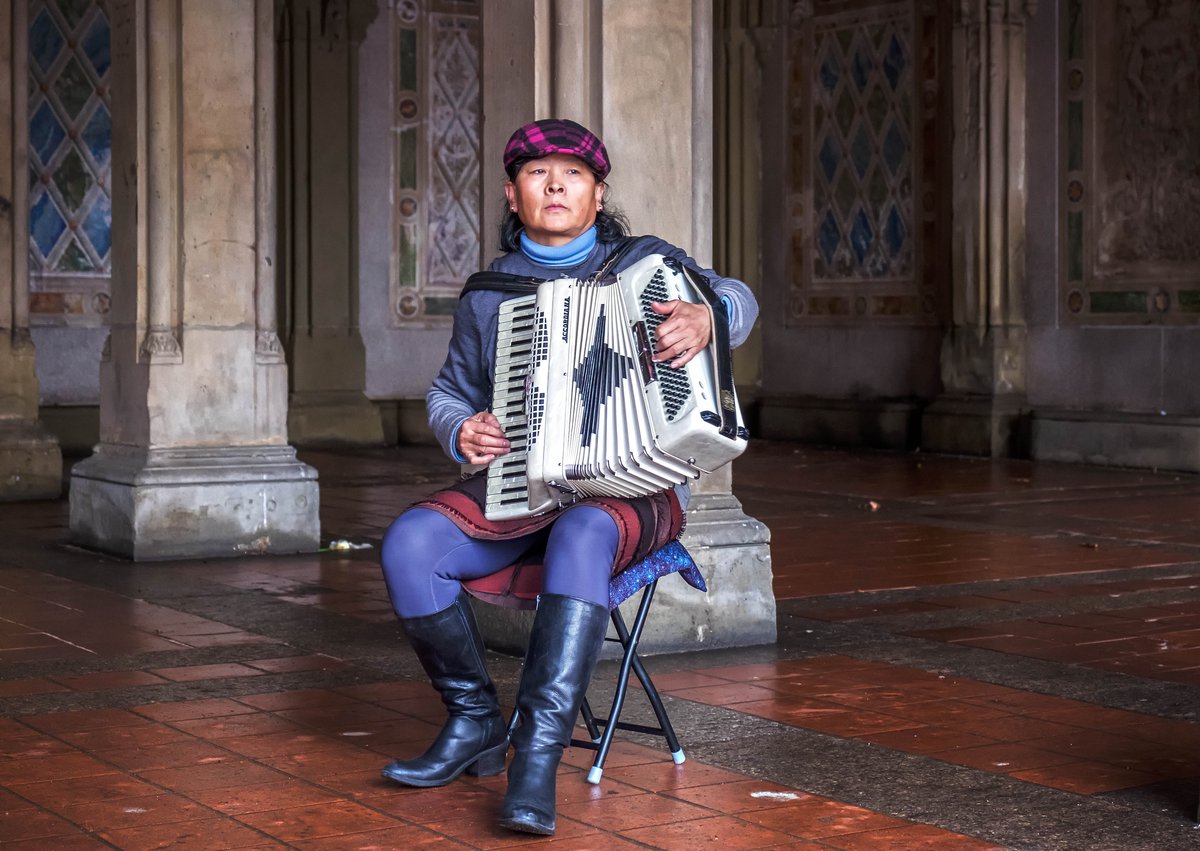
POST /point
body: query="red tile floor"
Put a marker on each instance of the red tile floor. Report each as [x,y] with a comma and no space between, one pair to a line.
[972,654]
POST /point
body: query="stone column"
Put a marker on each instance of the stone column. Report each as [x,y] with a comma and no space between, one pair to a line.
[193,457]
[30,461]
[982,410]
[318,44]
[639,72]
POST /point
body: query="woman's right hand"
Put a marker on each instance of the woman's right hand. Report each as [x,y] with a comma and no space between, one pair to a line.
[481,440]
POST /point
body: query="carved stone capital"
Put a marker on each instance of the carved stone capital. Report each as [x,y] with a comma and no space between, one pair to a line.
[267,348]
[160,346]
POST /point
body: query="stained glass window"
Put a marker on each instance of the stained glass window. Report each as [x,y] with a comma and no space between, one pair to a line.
[859,142]
[70,139]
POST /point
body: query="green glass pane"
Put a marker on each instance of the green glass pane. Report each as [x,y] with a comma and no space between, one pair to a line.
[408,59]
[1075,29]
[1119,302]
[845,110]
[74,10]
[73,88]
[846,194]
[1074,135]
[1189,301]
[844,37]
[440,306]
[73,180]
[877,189]
[877,109]
[1074,246]
[408,158]
[74,260]
[407,266]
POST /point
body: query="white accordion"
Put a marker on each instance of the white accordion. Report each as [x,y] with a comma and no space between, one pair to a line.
[585,408]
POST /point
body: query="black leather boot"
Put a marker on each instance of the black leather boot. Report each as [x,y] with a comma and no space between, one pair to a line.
[563,648]
[475,736]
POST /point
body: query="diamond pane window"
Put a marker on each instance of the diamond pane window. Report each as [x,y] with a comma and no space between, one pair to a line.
[862,195]
[70,146]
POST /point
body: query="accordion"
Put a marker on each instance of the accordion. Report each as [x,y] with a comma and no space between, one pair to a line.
[586,409]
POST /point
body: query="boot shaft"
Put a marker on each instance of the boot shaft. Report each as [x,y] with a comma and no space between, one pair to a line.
[564,646]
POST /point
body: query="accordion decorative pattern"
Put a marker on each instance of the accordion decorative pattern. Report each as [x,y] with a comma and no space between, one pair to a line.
[586,410]
[673,383]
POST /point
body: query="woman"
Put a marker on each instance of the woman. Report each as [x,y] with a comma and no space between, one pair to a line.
[555,225]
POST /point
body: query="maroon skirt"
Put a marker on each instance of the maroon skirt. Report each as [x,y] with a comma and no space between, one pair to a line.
[645,524]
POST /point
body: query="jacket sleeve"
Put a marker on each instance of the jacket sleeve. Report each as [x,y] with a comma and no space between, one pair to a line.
[461,387]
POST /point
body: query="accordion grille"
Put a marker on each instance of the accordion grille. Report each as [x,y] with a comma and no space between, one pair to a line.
[673,383]
[535,399]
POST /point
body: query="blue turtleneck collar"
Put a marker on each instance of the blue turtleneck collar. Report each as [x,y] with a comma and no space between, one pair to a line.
[560,256]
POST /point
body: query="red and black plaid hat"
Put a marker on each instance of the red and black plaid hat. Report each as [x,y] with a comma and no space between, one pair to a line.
[555,136]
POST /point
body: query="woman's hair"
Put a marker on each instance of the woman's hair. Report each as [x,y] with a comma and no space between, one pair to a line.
[611,224]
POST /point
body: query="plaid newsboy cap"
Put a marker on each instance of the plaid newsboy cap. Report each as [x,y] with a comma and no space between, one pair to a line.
[555,136]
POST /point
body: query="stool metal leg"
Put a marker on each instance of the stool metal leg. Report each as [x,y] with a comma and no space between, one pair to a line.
[629,640]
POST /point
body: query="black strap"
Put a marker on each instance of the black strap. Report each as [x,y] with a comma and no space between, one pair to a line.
[502,281]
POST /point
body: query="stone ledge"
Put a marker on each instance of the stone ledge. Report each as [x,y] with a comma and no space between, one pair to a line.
[879,423]
[1144,441]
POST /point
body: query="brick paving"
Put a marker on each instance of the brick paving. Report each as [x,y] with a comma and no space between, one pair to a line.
[963,644]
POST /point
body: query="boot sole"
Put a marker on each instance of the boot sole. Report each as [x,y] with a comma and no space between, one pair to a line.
[527,827]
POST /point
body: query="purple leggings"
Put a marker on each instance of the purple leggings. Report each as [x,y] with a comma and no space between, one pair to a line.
[426,557]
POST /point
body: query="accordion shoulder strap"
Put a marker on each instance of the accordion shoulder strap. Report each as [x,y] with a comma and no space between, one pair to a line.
[502,281]
[524,285]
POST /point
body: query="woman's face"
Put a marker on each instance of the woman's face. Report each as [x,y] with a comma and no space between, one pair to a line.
[556,198]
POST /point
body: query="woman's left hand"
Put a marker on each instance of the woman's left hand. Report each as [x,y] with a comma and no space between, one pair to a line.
[684,332]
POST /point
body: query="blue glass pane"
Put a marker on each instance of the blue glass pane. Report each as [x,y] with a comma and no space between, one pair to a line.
[894,148]
[893,232]
[830,156]
[97,135]
[861,150]
[829,72]
[45,224]
[98,225]
[96,45]
[45,133]
[828,237]
[860,68]
[861,234]
[45,41]
[894,62]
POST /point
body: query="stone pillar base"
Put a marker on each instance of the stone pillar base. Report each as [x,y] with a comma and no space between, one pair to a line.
[996,427]
[194,502]
[30,461]
[334,418]
[732,551]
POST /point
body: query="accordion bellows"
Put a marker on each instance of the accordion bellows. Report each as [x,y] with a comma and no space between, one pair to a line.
[586,410]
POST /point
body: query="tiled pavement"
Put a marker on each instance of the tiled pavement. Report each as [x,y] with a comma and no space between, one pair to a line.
[971,655]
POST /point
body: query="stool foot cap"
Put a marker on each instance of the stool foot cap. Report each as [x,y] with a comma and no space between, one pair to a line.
[678,757]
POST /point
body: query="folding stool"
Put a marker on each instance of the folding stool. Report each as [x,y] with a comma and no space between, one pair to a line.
[518,586]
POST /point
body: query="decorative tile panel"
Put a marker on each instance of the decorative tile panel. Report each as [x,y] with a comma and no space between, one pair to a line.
[436,47]
[1131,155]
[860,196]
[70,140]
